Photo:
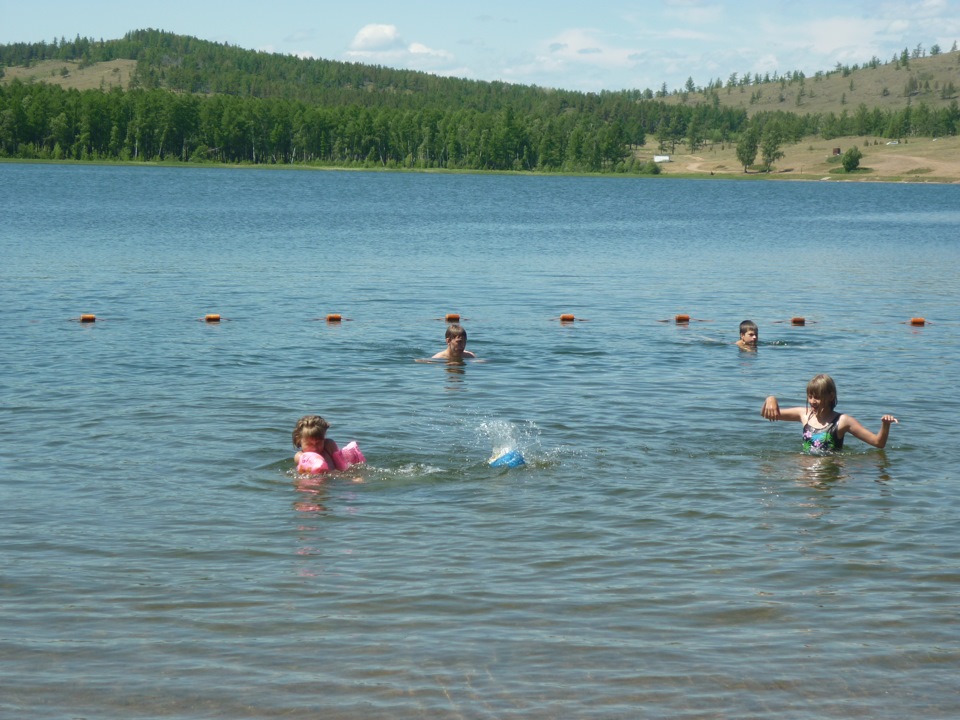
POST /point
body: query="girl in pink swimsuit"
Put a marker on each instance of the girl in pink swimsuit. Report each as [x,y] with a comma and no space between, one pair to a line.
[317,453]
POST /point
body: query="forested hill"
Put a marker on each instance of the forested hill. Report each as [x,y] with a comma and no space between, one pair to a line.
[198,101]
[186,64]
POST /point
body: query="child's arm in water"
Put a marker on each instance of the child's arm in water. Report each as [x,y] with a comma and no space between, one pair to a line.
[851,425]
[772,411]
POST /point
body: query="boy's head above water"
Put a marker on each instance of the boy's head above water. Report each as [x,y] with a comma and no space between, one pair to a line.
[749,334]
[456,338]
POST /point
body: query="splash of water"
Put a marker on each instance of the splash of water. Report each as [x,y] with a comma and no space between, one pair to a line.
[507,437]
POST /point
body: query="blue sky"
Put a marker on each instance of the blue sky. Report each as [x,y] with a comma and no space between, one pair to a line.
[584,45]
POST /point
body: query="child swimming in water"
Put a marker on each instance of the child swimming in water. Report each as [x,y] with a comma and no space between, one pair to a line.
[456,338]
[749,335]
[316,452]
[824,427]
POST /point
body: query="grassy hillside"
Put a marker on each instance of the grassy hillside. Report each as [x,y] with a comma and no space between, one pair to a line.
[72,74]
[932,80]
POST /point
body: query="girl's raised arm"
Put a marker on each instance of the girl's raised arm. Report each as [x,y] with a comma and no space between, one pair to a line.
[878,440]
[771,411]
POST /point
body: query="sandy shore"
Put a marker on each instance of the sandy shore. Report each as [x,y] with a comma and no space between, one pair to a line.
[914,160]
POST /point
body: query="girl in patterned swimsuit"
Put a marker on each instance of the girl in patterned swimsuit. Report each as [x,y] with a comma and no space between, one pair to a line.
[824,427]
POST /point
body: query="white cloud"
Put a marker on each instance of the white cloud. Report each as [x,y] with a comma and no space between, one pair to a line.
[420,49]
[383,45]
[376,38]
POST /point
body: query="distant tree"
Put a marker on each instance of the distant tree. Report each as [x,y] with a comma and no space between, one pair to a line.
[861,119]
[935,50]
[695,135]
[747,146]
[662,134]
[851,159]
[678,129]
[770,144]
[690,86]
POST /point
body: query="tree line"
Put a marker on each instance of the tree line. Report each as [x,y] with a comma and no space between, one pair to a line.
[44,121]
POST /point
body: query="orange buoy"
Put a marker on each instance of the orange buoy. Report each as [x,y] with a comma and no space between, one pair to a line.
[453,317]
[798,321]
[212,318]
[567,317]
[334,317]
[681,319]
[88,318]
[918,321]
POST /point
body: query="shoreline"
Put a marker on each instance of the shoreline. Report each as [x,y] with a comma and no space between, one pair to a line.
[912,169]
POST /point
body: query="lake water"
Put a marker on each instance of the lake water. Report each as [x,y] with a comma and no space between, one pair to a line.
[664,553]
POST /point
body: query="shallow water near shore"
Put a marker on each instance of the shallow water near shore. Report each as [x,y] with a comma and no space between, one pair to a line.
[664,552]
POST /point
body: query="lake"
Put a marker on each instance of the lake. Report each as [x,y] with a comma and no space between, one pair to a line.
[663,553]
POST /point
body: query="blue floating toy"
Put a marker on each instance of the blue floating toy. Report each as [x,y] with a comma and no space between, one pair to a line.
[508,458]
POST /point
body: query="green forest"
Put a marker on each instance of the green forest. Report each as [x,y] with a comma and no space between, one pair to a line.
[196,101]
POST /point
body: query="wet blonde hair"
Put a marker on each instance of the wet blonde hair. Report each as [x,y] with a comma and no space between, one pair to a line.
[823,388]
[309,426]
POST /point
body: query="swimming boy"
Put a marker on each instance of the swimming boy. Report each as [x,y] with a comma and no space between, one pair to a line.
[456,338]
[749,335]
